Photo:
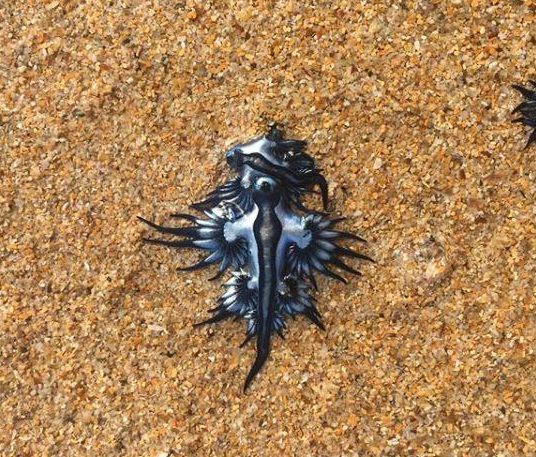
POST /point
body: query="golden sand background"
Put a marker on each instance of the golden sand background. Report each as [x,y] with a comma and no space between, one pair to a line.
[113,109]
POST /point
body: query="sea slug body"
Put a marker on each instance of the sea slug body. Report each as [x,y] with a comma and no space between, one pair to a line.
[257,226]
[527,110]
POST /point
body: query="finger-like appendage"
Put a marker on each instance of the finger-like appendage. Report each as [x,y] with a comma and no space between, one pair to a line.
[315,247]
[207,234]
[221,315]
[527,109]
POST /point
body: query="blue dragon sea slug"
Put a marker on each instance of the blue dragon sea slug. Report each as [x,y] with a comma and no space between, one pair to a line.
[257,226]
[527,110]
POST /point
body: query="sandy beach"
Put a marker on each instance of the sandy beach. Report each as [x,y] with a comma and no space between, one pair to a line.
[115,109]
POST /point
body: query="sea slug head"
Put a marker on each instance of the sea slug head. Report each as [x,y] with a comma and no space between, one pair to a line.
[284,159]
[270,146]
